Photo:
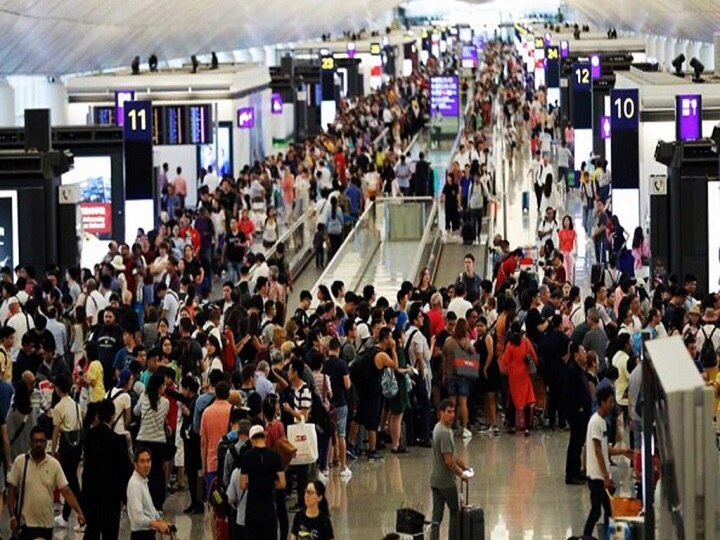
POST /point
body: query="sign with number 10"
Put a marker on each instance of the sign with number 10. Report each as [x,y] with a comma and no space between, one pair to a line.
[624,109]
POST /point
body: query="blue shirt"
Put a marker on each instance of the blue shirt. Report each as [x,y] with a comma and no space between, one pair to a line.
[201,404]
[354,195]
[465,182]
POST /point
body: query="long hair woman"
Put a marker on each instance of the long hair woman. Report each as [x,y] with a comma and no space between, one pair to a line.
[516,363]
[567,238]
[458,387]
[314,522]
[152,408]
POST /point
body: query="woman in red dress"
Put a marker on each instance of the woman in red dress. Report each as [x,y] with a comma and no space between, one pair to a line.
[516,359]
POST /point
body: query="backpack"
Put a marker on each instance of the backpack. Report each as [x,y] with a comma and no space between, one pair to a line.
[113,398]
[388,383]
[319,415]
[708,355]
[226,450]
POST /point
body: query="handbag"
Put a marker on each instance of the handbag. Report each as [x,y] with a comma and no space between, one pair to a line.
[304,438]
[286,450]
[466,364]
[409,521]
[75,437]
[532,367]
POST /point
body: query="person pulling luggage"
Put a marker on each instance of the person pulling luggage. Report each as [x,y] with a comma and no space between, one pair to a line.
[445,468]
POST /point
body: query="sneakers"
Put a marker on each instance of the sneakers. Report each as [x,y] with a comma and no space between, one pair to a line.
[346,473]
[466,433]
[375,456]
[60,523]
[399,450]
[322,477]
[351,452]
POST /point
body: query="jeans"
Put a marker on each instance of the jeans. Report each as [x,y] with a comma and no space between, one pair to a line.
[319,257]
[601,250]
[476,215]
[301,474]
[233,270]
[441,497]
[598,499]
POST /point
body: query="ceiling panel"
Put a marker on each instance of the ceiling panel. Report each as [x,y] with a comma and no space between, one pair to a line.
[66,36]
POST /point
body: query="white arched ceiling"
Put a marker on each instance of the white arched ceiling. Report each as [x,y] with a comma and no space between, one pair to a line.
[69,36]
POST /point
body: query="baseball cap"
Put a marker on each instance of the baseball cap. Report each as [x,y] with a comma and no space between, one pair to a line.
[257,431]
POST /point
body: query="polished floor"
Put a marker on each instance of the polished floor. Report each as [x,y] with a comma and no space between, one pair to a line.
[519,483]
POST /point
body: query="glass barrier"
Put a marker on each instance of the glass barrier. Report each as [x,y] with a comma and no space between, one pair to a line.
[297,241]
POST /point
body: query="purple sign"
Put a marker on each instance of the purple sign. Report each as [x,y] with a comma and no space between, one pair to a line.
[246,117]
[469,56]
[445,94]
[688,117]
[276,104]
[595,68]
[564,49]
[121,96]
[351,49]
[548,41]
[605,129]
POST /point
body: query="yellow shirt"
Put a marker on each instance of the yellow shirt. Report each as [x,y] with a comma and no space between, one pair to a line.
[6,364]
[94,376]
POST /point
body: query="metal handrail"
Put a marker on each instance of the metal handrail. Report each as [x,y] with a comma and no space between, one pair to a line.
[425,238]
[287,234]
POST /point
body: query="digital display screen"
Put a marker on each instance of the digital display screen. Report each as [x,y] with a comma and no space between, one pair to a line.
[218,155]
[469,56]
[104,116]
[94,176]
[245,117]
[158,132]
[121,96]
[200,122]
[175,124]
[9,242]
[445,94]
[688,117]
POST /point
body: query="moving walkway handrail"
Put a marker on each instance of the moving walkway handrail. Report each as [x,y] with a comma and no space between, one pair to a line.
[429,225]
[299,222]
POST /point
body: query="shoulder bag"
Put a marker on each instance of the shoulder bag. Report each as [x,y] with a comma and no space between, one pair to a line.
[75,437]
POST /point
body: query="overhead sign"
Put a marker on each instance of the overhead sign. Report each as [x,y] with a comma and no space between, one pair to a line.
[245,117]
[445,94]
[658,184]
[595,67]
[375,49]
[564,49]
[624,110]
[121,96]
[351,49]
[137,125]
[469,56]
[276,104]
[688,117]
[605,129]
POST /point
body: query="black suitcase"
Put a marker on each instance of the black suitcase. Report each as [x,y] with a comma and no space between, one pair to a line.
[597,273]
[472,520]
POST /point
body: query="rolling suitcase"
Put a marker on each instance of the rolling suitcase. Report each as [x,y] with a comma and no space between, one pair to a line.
[525,201]
[467,232]
[472,520]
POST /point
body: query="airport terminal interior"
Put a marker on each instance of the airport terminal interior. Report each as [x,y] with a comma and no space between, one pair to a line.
[389,270]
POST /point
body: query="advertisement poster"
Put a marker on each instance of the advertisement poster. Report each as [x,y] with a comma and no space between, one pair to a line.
[445,94]
[94,175]
[220,161]
[9,244]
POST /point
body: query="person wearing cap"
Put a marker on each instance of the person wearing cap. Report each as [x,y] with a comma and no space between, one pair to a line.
[261,474]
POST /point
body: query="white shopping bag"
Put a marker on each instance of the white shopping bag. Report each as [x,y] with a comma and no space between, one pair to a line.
[304,438]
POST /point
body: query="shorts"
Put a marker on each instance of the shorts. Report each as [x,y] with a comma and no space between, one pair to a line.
[369,411]
[342,417]
[458,386]
[170,448]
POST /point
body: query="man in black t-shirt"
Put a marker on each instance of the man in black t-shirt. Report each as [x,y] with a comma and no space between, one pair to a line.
[261,475]
[234,250]
[535,324]
[337,370]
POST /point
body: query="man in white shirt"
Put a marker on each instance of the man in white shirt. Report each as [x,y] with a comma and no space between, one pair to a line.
[459,305]
[598,459]
[419,352]
[577,310]
[140,508]
[534,172]
[170,305]
[210,180]
[325,178]
[94,303]
[21,322]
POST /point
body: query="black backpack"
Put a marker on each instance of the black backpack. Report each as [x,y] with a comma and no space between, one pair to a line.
[708,355]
